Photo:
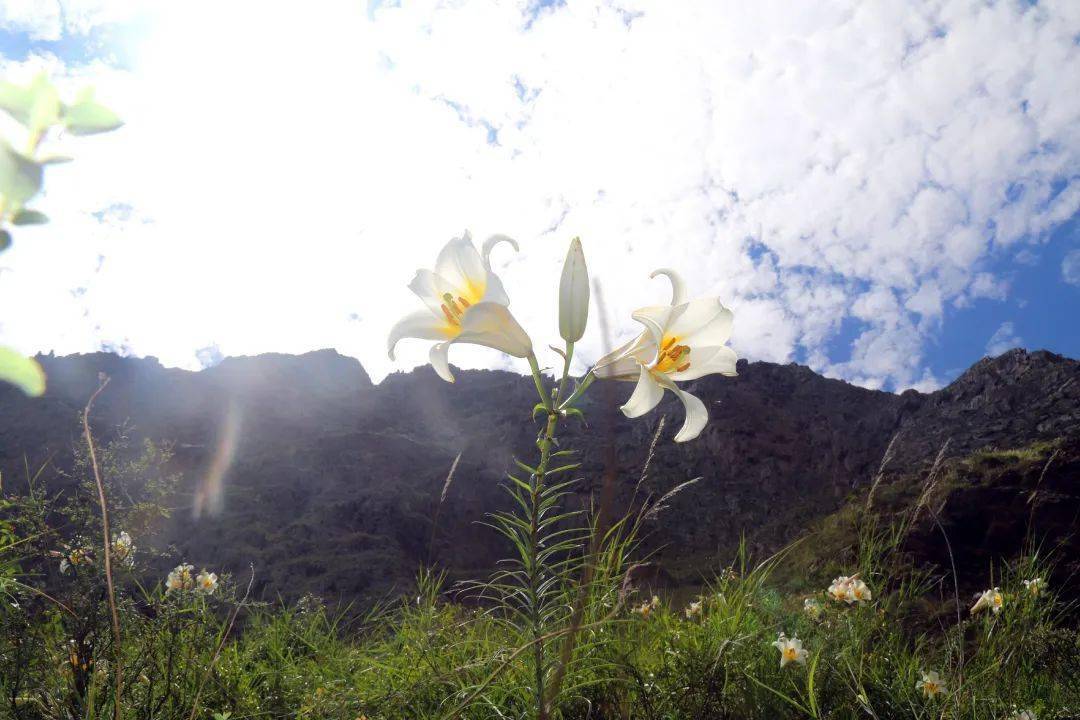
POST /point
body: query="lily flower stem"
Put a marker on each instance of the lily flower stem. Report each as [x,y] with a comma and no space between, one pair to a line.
[538,380]
[536,488]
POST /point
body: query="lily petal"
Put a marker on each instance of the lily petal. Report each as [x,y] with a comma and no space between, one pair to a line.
[420,325]
[430,287]
[678,286]
[490,244]
[697,415]
[623,362]
[495,292]
[461,266]
[655,319]
[704,322]
[647,395]
[491,325]
[438,357]
[707,361]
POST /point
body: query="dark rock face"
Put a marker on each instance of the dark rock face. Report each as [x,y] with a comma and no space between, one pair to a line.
[334,482]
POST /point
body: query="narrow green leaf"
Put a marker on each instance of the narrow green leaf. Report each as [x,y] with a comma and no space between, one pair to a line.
[87,117]
[20,177]
[23,372]
[29,217]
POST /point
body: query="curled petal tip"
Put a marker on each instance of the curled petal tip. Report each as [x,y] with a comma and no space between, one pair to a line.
[494,240]
[678,285]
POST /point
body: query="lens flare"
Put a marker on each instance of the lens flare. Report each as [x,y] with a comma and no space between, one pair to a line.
[209,495]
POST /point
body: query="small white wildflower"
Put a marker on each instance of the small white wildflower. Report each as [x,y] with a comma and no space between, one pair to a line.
[791,650]
[1022,715]
[206,582]
[992,599]
[181,578]
[931,684]
[812,608]
[645,609]
[123,548]
[1035,586]
[693,609]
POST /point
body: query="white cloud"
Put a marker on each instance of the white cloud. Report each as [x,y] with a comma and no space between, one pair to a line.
[289,170]
[1070,267]
[1003,339]
[40,20]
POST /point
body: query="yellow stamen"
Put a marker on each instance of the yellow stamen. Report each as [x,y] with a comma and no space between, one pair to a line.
[668,344]
[453,304]
[682,367]
[449,318]
[464,302]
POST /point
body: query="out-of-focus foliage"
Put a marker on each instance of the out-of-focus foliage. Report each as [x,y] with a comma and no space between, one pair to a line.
[38,109]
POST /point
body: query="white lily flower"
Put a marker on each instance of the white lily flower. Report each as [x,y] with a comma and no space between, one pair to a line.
[180,578]
[791,650]
[645,609]
[1035,586]
[992,599]
[931,684]
[574,294]
[466,304]
[683,341]
[694,608]
[1022,715]
[206,582]
[858,592]
[840,590]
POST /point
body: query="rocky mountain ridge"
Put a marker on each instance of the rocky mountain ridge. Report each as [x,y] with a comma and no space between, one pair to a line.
[333,481]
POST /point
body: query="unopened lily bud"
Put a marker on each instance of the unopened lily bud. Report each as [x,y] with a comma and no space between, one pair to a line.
[574,294]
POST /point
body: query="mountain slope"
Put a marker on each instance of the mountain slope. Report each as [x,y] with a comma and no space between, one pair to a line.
[333,482]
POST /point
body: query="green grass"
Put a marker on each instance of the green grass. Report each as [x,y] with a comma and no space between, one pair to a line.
[442,653]
[421,657]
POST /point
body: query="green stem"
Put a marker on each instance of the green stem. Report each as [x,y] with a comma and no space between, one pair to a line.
[536,487]
[539,382]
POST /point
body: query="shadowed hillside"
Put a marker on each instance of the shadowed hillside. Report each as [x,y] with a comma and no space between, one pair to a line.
[333,481]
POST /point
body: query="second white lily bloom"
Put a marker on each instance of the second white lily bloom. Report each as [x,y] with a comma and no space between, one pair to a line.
[466,303]
[682,341]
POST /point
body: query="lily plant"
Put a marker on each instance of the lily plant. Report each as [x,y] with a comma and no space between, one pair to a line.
[465,301]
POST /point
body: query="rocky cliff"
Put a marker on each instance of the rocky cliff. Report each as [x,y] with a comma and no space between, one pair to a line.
[330,483]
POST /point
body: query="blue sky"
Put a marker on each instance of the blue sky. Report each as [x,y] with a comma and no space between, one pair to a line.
[887,198]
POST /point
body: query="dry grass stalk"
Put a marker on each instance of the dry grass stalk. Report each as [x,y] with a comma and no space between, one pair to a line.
[438,508]
[660,504]
[107,546]
[890,451]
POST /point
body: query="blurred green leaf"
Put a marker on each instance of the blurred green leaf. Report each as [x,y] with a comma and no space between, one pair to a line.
[36,106]
[20,177]
[29,217]
[5,240]
[55,159]
[23,372]
[87,117]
